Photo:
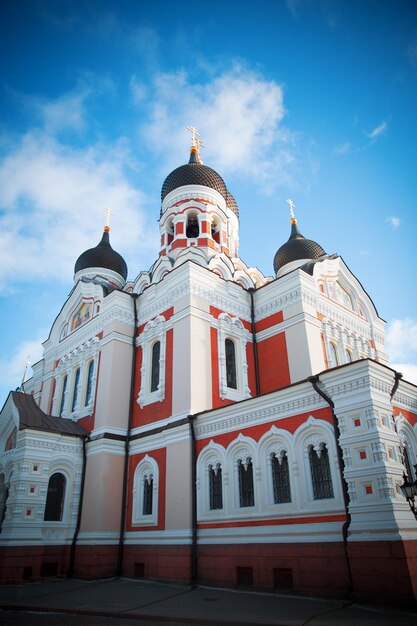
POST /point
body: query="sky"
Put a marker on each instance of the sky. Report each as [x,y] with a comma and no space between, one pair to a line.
[313,100]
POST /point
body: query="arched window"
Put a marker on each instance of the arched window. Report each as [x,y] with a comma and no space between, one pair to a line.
[156,353]
[246,491]
[280,478]
[332,355]
[230,351]
[89,388]
[55,498]
[348,356]
[320,472]
[63,395]
[75,392]
[4,494]
[408,470]
[193,229]
[215,487]
[147,494]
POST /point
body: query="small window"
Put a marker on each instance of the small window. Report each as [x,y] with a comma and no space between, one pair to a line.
[75,393]
[320,472]
[280,478]
[215,487]
[230,351]
[147,494]
[348,356]
[246,491]
[156,353]
[89,388]
[193,229]
[64,390]
[55,498]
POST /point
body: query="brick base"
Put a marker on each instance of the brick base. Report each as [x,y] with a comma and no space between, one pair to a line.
[381,571]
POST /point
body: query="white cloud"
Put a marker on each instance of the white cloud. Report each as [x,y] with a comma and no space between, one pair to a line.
[408,370]
[401,347]
[393,221]
[51,201]
[12,369]
[377,131]
[401,339]
[241,115]
[343,148]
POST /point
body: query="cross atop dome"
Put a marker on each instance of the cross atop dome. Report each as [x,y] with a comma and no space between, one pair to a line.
[108,212]
[196,143]
[292,207]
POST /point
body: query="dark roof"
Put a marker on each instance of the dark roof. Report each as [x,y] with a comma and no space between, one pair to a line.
[103,256]
[195,173]
[231,203]
[31,416]
[297,247]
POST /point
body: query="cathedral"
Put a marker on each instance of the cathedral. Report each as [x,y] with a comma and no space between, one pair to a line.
[206,424]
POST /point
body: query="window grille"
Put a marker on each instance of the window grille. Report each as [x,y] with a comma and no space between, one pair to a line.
[156,352]
[64,389]
[280,478]
[230,351]
[246,492]
[55,498]
[75,394]
[215,487]
[89,389]
[320,472]
[147,494]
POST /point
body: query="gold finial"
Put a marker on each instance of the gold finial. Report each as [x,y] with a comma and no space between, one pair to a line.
[108,212]
[194,134]
[199,144]
[292,207]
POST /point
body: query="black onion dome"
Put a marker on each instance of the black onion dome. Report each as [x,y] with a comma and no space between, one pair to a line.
[231,203]
[103,256]
[193,173]
[296,248]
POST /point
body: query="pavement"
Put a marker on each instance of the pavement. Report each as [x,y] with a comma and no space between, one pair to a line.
[128,601]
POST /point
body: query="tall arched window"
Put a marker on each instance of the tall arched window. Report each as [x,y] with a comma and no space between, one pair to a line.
[280,478]
[246,491]
[4,494]
[332,355]
[215,487]
[63,394]
[75,391]
[156,353]
[55,498]
[320,472]
[230,351]
[147,494]
[348,356]
[89,388]
[407,464]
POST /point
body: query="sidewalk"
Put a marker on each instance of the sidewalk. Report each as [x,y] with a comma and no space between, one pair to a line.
[164,603]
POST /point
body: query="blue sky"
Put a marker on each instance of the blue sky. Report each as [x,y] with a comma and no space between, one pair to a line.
[309,99]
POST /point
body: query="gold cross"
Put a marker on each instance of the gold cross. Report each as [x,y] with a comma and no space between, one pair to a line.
[108,212]
[199,144]
[292,207]
[194,132]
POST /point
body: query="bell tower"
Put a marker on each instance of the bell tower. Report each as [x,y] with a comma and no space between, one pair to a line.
[197,209]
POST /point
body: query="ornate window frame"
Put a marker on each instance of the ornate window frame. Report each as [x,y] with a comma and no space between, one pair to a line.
[233,329]
[154,331]
[211,455]
[147,466]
